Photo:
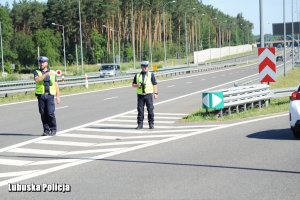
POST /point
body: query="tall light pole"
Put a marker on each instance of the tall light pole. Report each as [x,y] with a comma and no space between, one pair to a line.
[186,44]
[150,33]
[119,48]
[119,51]
[220,45]
[81,50]
[132,23]
[165,49]
[262,38]
[2,60]
[284,33]
[64,43]
[293,34]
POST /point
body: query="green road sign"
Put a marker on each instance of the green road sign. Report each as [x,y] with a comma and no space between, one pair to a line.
[212,100]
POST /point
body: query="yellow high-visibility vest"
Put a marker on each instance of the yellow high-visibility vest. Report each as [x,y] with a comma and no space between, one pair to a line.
[147,82]
[40,87]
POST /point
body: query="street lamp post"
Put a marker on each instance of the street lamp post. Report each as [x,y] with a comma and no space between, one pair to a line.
[132,23]
[165,49]
[220,45]
[150,33]
[81,48]
[63,34]
[284,33]
[293,34]
[186,44]
[2,60]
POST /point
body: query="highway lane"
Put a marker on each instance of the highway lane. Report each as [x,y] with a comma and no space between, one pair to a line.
[251,159]
[20,122]
[138,165]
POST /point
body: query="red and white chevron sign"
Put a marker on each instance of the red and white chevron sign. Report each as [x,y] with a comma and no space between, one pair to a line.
[267,66]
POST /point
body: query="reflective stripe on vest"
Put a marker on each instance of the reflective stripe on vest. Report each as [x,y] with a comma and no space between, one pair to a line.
[147,82]
[40,87]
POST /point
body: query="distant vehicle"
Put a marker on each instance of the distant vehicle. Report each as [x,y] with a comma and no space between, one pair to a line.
[279,58]
[109,70]
[295,112]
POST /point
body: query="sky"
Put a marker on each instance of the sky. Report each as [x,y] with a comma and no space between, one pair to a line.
[272,11]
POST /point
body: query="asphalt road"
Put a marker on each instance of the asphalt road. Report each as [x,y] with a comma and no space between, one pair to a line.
[100,155]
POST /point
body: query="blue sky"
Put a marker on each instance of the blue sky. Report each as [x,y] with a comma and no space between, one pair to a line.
[272,10]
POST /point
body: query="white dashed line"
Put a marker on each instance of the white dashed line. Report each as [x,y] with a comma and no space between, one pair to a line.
[61,107]
[110,98]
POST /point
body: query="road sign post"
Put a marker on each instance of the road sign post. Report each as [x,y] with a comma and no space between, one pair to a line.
[267,66]
[212,100]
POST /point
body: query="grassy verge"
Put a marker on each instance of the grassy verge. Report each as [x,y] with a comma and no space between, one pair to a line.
[276,106]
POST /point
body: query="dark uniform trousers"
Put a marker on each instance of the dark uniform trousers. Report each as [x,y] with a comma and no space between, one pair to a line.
[47,110]
[142,100]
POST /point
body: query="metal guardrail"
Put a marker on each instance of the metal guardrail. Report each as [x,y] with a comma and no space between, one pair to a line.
[282,92]
[245,97]
[12,87]
[241,98]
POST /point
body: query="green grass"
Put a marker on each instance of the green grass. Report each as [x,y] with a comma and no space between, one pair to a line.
[290,80]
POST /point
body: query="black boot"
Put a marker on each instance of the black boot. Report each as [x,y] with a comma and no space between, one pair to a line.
[140,126]
[151,126]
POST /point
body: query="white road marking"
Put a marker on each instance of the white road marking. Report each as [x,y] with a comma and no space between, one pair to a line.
[66,143]
[49,170]
[156,117]
[170,86]
[36,151]
[102,156]
[56,161]
[89,136]
[124,143]
[171,114]
[145,130]
[61,107]
[134,121]
[203,79]
[13,162]
[129,125]
[189,82]
[145,124]
[151,136]
[20,173]
[93,151]
[110,98]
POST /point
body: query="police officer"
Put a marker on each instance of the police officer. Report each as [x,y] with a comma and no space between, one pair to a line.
[45,90]
[146,88]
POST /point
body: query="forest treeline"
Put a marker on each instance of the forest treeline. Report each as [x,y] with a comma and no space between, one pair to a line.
[136,28]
